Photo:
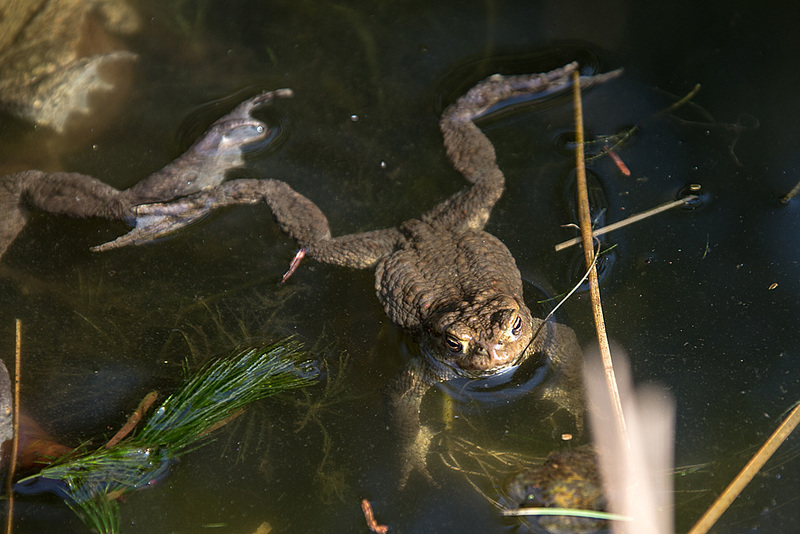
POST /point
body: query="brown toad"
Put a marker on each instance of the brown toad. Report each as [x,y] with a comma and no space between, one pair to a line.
[568,479]
[55,55]
[452,287]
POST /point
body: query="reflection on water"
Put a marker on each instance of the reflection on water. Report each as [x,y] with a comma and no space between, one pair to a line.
[689,295]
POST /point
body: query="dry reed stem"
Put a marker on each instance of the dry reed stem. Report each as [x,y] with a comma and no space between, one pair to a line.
[747,473]
[585,220]
[12,468]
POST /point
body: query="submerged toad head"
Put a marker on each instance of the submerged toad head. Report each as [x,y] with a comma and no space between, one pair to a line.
[479,338]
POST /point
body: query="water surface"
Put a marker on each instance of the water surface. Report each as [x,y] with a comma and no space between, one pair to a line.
[689,294]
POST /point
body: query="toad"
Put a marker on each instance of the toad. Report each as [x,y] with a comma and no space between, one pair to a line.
[57,56]
[568,479]
[454,288]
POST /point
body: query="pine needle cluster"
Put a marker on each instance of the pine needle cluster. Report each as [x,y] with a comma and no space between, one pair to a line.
[91,481]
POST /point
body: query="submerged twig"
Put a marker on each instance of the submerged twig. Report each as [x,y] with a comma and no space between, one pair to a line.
[675,105]
[630,220]
[585,220]
[747,473]
[369,516]
[133,420]
[617,161]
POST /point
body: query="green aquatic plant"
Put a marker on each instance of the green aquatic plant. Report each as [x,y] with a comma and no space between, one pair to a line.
[90,481]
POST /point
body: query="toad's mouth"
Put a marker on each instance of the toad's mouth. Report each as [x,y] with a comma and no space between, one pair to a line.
[450,367]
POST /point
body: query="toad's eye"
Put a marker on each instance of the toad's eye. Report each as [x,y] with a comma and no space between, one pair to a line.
[516,328]
[454,345]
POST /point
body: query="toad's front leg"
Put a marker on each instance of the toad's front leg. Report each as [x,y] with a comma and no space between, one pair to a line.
[403,400]
[295,215]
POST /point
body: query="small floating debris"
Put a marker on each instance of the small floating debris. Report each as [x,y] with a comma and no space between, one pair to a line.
[373,525]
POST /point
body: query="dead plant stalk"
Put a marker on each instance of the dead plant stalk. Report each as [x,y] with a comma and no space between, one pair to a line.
[584,218]
[12,468]
[747,473]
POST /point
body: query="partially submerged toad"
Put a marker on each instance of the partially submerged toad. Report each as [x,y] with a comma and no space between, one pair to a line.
[56,56]
[568,479]
[452,287]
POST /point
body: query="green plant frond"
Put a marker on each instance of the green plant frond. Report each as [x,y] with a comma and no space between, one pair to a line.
[214,393]
[100,513]
[224,387]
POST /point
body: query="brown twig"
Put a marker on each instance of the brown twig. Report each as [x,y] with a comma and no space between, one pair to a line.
[220,424]
[12,468]
[747,473]
[585,220]
[630,220]
[134,419]
[617,161]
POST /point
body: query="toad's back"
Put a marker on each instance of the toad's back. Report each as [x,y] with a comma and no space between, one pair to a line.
[437,269]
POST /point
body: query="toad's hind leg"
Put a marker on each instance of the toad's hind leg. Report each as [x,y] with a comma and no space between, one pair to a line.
[471,152]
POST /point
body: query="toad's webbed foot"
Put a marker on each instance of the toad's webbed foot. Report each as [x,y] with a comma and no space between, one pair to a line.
[403,400]
[155,221]
[564,385]
[296,215]
[414,457]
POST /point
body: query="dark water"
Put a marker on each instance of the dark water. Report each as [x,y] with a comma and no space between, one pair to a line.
[688,296]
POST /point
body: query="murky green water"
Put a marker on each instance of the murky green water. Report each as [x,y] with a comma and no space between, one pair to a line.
[689,294]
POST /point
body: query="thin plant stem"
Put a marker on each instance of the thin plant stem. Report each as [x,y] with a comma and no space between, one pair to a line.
[747,473]
[12,468]
[630,220]
[568,295]
[585,220]
[570,512]
[675,105]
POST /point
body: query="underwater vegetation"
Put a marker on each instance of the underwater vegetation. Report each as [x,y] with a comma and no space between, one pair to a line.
[91,480]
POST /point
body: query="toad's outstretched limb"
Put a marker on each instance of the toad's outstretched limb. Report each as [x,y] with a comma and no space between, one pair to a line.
[468,148]
[201,167]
